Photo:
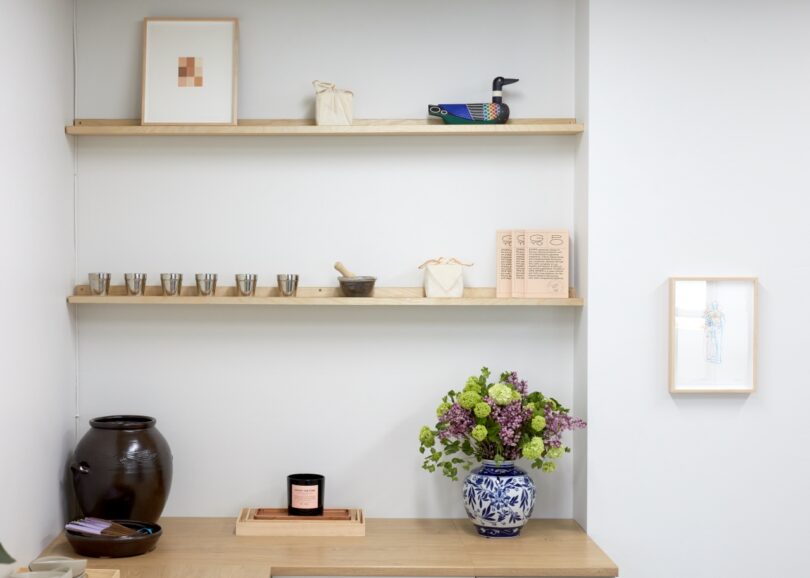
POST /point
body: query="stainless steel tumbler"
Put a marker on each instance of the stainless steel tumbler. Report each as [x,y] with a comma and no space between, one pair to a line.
[172,283]
[136,283]
[246,284]
[99,283]
[206,284]
[287,285]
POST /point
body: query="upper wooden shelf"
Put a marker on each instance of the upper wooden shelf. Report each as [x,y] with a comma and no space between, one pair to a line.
[274,127]
[318,296]
[391,547]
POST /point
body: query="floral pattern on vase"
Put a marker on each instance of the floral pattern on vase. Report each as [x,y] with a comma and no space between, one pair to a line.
[499,499]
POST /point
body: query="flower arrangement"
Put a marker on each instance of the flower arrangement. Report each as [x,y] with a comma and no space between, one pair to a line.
[496,421]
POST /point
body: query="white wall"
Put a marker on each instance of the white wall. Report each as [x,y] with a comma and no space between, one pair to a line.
[246,397]
[397,57]
[36,244]
[698,155]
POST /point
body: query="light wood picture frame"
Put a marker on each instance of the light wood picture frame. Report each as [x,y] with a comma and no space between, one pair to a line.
[190,71]
[713,334]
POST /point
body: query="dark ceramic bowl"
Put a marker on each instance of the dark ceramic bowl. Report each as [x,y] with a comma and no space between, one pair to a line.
[357,286]
[114,546]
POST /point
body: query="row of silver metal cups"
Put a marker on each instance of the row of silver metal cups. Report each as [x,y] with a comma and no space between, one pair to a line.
[172,283]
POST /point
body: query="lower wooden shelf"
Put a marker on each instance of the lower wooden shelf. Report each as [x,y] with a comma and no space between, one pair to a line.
[391,547]
[316,296]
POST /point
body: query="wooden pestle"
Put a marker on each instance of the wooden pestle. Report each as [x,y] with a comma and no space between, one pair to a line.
[341,268]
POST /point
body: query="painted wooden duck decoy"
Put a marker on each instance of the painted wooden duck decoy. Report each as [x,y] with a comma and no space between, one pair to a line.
[495,112]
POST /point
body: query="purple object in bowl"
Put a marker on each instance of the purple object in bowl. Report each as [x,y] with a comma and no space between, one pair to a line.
[117,546]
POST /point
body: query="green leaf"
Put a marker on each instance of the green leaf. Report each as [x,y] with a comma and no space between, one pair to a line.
[5,558]
[467,448]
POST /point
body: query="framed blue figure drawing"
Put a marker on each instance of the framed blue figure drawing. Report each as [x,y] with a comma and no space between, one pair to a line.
[713,334]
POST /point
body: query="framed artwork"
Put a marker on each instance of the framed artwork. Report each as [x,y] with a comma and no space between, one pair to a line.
[713,334]
[189,71]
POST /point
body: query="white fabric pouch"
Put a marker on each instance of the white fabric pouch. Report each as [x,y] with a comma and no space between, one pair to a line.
[444,277]
[333,107]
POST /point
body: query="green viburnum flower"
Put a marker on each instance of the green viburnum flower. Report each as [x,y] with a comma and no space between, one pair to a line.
[468,399]
[442,409]
[538,423]
[531,406]
[479,433]
[549,467]
[482,409]
[501,393]
[555,453]
[516,395]
[426,437]
[472,383]
[533,449]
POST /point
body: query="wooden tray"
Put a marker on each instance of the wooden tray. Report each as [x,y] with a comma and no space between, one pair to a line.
[276,522]
[282,514]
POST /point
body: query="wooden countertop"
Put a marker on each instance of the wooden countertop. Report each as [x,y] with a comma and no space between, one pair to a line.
[208,548]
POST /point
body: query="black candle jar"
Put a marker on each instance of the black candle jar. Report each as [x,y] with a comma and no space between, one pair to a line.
[305,494]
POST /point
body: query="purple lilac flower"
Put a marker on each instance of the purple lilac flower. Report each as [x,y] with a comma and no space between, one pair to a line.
[511,419]
[520,385]
[459,422]
[558,422]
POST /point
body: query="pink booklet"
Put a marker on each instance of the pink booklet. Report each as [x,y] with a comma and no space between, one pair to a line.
[518,263]
[546,263]
[503,263]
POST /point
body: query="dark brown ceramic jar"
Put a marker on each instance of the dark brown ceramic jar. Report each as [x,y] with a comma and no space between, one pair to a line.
[122,469]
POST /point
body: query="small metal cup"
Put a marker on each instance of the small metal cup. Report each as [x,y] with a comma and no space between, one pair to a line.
[206,284]
[136,283]
[287,285]
[246,284]
[172,283]
[99,283]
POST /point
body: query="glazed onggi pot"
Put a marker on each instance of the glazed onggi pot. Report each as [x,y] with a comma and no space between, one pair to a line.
[122,469]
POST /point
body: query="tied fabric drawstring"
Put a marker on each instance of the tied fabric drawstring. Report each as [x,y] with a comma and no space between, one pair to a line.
[444,261]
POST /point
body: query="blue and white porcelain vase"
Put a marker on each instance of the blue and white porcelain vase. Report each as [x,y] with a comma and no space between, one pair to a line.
[499,499]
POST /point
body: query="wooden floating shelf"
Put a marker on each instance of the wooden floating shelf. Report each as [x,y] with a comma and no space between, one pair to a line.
[383,296]
[278,127]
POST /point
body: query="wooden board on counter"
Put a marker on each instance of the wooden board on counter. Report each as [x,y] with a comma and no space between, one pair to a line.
[284,514]
[333,524]
[209,548]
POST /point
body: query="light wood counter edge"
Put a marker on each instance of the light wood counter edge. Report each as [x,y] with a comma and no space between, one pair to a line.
[462,535]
